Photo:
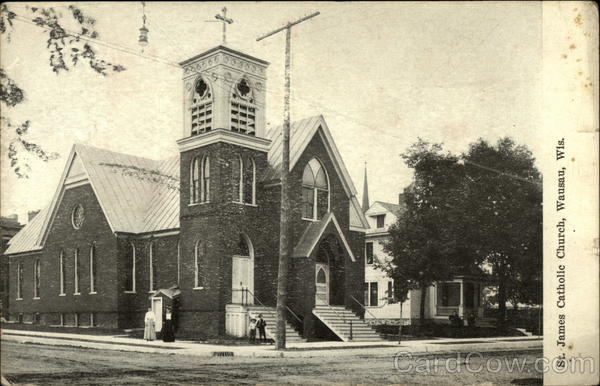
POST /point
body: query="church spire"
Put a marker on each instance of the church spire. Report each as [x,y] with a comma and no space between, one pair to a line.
[365,196]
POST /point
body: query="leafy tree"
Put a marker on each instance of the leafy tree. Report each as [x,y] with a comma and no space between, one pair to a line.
[503,196]
[66,49]
[423,245]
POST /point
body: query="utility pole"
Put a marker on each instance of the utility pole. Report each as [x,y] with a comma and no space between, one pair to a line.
[284,228]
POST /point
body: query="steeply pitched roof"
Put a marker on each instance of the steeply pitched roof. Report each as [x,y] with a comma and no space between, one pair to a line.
[312,234]
[141,195]
[301,133]
[136,195]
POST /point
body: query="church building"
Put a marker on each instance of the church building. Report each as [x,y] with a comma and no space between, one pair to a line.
[199,232]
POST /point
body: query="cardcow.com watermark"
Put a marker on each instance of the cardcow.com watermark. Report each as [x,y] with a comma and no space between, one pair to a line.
[476,362]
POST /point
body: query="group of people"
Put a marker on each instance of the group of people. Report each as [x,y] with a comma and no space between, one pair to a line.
[259,325]
[168,334]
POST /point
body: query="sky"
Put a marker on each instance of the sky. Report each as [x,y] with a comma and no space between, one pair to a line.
[382,74]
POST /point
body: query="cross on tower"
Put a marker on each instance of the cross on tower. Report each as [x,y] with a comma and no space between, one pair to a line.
[225,20]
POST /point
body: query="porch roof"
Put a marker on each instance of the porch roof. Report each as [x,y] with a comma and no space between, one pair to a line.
[313,233]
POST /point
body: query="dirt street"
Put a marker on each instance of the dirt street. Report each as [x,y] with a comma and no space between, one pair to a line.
[37,364]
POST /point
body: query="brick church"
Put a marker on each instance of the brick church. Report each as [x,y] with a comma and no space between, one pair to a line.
[198,232]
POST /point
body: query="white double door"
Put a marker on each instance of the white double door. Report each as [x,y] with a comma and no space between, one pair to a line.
[321,284]
[242,279]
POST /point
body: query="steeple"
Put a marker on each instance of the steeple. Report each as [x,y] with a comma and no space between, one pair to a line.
[365,196]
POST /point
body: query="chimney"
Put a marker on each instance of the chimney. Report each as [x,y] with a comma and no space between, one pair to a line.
[31,214]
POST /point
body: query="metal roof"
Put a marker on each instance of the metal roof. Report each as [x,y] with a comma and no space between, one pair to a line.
[26,238]
[141,195]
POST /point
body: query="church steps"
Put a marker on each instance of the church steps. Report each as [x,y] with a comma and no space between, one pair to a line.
[270,316]
[342,322]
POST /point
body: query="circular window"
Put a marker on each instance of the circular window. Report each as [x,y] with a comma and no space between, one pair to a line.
[77,216]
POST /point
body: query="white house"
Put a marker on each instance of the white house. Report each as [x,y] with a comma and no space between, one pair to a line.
[462,294]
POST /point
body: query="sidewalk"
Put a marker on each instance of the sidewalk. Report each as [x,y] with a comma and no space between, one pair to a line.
[307,349]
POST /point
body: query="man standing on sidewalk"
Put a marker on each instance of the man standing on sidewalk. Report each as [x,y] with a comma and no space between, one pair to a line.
[261,324]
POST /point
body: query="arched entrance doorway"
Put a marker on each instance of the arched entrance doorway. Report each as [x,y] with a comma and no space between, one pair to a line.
[329,272]
[242,272]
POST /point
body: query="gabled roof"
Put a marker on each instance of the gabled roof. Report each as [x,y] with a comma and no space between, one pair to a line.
[136,194]
[301,133]
[141,195]
[313,233]
[396,209]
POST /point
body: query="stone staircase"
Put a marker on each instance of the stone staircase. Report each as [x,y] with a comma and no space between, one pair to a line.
[270,316]
[339,320]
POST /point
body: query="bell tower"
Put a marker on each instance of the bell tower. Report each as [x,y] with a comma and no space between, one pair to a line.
[223,97]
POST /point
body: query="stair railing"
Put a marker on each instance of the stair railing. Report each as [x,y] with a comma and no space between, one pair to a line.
[366,310]
[340,316]
[245,289]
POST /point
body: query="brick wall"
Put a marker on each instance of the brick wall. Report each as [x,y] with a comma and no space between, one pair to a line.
[62,236]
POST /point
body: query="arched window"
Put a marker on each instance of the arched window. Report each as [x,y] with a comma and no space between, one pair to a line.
[199,264]
[244,247]
[152,267]
[237,172]
[249,178]
[201,107]
[61,271]
[76,270]
[315,191]
[200,180]
[130,269]
[19,280]
[243,108]
[205,188]
[243,175]
[36,278]
[93,279]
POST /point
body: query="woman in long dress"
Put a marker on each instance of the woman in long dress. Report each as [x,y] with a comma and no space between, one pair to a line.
[149,321]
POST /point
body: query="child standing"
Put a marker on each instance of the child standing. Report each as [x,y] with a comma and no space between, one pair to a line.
[252,330]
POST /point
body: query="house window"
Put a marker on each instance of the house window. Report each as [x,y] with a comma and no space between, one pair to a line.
[315,191]
[201,107]
[199,260]
[36,318]
[369,253]
[380,219]
[448,294]
[61,272]
[93,320]
[243,108]
[130,269]
[390,291]
[19,281]
[76,318]
[371,294]
[36,275]
[469,293]
[76,270]
[62,319]
[152,267]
